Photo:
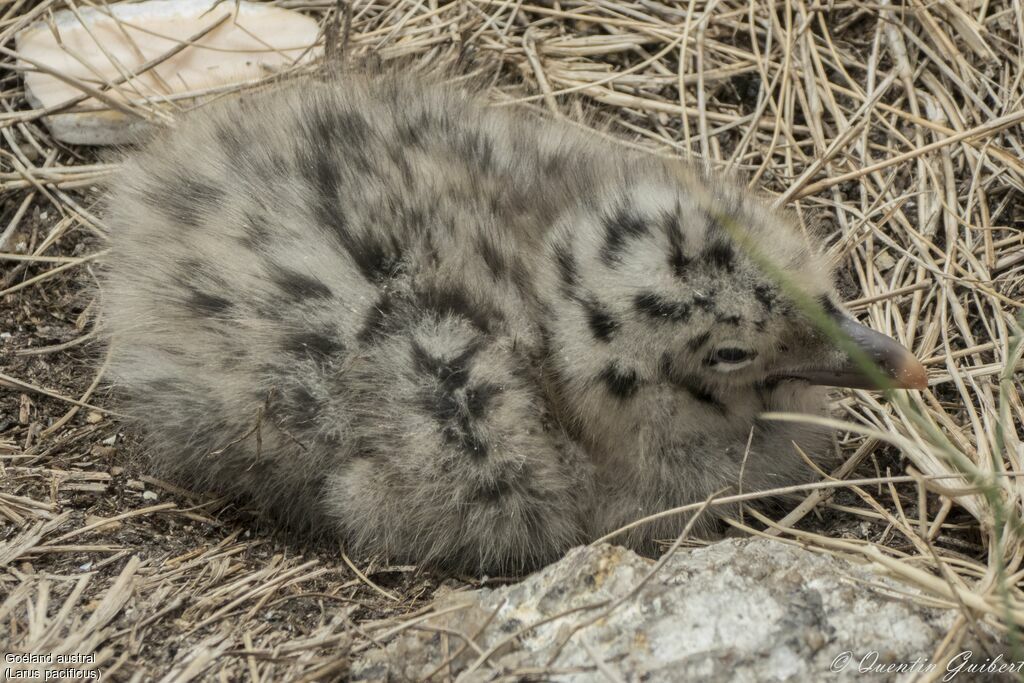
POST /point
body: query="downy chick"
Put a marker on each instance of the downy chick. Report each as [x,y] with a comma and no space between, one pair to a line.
[459,335]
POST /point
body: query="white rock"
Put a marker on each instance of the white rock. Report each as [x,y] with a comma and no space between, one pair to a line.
[112,41]
[738,610]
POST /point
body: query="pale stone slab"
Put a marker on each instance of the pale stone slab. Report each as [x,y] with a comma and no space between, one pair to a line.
[101,45]
[738,610]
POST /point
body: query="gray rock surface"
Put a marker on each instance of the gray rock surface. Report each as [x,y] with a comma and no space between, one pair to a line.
[738,610]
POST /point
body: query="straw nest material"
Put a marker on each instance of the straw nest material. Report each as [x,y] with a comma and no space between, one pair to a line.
[898,126]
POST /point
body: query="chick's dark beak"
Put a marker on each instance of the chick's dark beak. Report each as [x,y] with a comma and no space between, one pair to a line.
[895,363]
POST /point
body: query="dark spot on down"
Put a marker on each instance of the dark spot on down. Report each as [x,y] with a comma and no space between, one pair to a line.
[410,132]
[452,373]
[553,164]
[377,258]
[677,259]
[721,255]
[601,323]
[479,397]
[442,405]
[699,341]
[493,491]
[620,226]
[766,295]
[323,174]
[303,406]
[466,439]
[622,384]
[475,147]
[185,200]
[705,302]
[299,286]
[208,304]
[493,258]
[453,404]
[659,308]
[398,156]
[333,135]
[449,300]
[666,366]
[230,139]
[256,165]
[695,388]
[568,272]
[256,230]
[334,129]
[314,345]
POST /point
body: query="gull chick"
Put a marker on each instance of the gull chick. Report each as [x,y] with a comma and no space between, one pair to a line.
[459,335]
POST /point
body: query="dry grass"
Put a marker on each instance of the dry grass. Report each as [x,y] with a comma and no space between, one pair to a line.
[898,127]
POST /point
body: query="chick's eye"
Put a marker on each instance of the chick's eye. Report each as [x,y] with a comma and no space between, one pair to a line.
[732,355]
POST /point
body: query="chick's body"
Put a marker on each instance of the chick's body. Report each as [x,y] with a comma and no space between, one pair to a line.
[446,332]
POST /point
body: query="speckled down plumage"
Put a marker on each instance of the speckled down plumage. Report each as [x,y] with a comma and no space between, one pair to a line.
[451,333]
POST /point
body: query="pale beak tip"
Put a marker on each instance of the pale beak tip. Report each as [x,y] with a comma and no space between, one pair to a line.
[901,367]
[912,375]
